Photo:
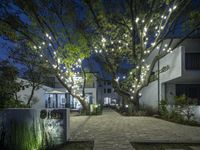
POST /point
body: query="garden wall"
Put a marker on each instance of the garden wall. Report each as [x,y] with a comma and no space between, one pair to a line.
[33,128]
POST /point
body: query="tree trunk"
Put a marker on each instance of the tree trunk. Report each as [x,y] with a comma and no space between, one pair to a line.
[84,106]
[30,97]
[135,102]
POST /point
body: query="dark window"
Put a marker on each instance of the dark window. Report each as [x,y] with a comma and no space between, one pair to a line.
[104,90]
[192,61]
[108,83]
[108,90]
[104,82]
[50,81]
[190,90]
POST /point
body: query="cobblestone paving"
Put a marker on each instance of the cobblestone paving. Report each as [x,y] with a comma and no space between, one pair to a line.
[113,131]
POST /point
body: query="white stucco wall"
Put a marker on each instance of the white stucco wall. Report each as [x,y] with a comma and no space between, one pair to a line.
[177,74]
[149,96]
[94,93]
[23,95]
[150,93]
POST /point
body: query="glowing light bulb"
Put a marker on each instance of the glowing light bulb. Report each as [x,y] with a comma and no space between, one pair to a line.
[103,40]
[137,19]
[174,7]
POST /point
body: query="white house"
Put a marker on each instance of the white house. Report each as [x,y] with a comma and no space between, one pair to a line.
[39,94]
[182,77]
[106,93]
[54,95]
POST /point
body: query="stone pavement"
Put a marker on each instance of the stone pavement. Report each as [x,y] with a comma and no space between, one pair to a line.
[113,131]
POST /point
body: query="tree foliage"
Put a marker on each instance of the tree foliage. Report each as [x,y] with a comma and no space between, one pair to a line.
[53,32]
[136,30]
[8,85]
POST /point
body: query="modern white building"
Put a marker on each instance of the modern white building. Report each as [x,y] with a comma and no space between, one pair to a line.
[106,94]
[54,95]
[182,76]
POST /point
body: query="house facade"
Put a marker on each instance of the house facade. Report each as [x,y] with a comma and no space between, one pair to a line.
[181,77]
[54,95]
[106,94]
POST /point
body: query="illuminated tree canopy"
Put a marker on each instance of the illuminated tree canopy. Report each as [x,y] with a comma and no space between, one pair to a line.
[134,30]
[64,32]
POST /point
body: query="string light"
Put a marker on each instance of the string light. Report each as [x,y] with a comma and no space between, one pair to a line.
[137,19]
[174,7]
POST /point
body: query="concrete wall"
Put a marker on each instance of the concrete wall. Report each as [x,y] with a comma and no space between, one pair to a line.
[55,122]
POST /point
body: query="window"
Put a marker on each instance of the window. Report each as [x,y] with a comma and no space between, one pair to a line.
[108,90]
[192,61]
[104,82]
[108,83]
[190,90]
[104,90]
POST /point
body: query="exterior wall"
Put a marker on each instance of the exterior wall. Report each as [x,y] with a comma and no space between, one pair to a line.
[57,126]
[170,93]
[106,98]
[177,74]
[39,94]
[89,89]
[149,96]
[150,93]
[93,91]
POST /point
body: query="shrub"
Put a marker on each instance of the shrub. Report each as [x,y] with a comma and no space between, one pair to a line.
[163,108]
[183,106]
[12,103]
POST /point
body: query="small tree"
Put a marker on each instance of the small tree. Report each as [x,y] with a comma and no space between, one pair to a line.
[8,85]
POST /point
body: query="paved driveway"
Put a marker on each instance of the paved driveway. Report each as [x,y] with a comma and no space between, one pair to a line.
[113,131]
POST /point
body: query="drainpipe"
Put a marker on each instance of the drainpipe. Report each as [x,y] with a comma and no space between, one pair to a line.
[159,78]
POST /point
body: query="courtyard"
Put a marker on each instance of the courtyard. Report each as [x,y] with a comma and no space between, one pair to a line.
[100,74]
[113,131]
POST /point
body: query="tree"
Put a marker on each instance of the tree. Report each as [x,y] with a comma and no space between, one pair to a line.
[53,31]
[8,85]
[35,70]
[134,30]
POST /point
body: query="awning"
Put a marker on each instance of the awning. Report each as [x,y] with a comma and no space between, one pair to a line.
[55,92]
